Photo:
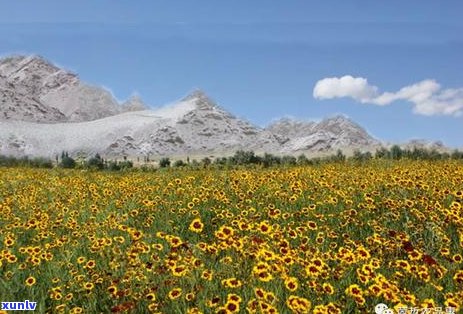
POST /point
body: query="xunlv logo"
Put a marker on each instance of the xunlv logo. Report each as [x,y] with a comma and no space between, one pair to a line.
[19,306]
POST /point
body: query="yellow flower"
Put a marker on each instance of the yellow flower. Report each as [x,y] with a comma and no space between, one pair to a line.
[354,290]
[69,296]
[428,303]
[232,283]
[213,302]
[312,225]
[179,271]
[112,290]
[190,296]
[8,242]
[150,297]
[30,281]
[452,302]
[224,232]
[328,288]
[194,310]
[232,306]
[175,293]
[457,258]
[88,285]
[174,241]
[207,274]
[234,297]
[264,227]
[291,284]
[60,308]
[76,310]
[264,275]
[90,264]
[196,225]
[298,304]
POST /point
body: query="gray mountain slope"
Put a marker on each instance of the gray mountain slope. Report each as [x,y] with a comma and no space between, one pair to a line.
[19,96]
[33,89]
[220,130]
[134,103]
[196,125]
[38,100]
[331,133]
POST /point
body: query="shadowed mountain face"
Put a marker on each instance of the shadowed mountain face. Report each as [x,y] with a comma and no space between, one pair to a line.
[38,100]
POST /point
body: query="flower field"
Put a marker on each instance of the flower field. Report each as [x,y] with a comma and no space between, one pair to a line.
[333,238]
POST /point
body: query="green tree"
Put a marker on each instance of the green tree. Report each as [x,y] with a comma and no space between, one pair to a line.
[288,160]
[179,163]
[96,162]
[396,152]
[66,161]
[242,157]
[164,162]
[302,160]
[456,154]
[206,161]
[381,153]
[270,160]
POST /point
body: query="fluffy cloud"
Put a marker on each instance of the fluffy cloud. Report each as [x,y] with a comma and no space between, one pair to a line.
[427,97]
[346,86]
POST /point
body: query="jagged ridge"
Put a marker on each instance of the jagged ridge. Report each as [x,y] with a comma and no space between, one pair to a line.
[34,90]
[332,133]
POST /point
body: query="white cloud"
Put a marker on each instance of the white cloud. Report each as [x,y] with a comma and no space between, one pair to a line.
[427,97]
[346,86]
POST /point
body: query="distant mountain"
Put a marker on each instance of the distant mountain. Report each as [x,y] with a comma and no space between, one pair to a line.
[38,100]
[194,125]
[210,128]
[422,144]
[33,89]
[329,134]
[134,103]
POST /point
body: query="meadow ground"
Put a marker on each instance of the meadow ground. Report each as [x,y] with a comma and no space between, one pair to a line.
[333,238]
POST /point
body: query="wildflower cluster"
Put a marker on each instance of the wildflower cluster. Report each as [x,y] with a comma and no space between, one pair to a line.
[328,238]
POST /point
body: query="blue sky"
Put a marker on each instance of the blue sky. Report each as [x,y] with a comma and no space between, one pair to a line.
[262,60]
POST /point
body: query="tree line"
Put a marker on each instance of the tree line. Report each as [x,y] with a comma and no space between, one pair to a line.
[249,158]
[241,158]
[66,161]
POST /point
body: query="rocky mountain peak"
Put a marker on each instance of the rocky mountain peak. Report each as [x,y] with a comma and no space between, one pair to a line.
[201,100]
[330,133]
[423,144]
[290,127]
[196,94]
[19,67]
[338,123]
[338,119]
[35,90]
[37,61]
[134,103]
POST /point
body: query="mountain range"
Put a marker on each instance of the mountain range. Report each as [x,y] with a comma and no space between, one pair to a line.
[45,110]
